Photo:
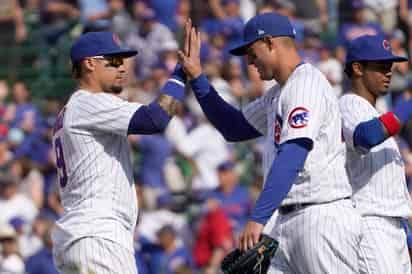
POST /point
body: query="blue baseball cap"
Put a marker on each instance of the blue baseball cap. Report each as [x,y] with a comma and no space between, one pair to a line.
[357,4]
[98,43]
[17,222]
[226,165]
[371,48]
[272,24]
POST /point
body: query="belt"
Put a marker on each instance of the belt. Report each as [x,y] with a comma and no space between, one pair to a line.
[286,209]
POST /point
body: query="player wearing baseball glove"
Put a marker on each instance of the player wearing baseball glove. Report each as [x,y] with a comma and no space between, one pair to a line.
[252,261]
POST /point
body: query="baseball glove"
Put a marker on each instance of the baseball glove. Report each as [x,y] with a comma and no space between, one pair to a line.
[253,261]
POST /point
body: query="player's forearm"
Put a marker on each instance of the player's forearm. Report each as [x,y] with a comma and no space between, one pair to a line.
[168,103]
[228,120]
[155,117]
[373,132]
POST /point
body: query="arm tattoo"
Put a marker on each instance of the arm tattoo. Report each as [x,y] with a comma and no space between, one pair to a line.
[168,103]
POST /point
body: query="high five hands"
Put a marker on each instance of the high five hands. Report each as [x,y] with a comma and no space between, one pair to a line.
[190,57]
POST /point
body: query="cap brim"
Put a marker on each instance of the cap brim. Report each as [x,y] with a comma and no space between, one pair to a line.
[240,49]
[125,53]
[393,58]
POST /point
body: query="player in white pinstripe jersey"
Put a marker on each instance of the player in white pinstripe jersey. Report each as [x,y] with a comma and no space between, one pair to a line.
[95,232]
[317,228]
[374,163]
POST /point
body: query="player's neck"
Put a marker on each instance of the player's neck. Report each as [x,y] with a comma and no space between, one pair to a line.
[289,67]
[89,85]
[362,91]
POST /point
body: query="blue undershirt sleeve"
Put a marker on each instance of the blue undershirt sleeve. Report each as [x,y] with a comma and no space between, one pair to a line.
[149,119]
[369,134]
[288,163]
[228,120]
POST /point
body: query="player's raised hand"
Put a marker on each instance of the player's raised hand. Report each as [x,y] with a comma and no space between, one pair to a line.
[190,57]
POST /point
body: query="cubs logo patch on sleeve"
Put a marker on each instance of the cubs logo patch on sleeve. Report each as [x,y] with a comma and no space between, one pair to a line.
[298,117]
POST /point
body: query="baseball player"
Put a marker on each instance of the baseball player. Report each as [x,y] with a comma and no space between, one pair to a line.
[374,163]
[317,228]
[95,232]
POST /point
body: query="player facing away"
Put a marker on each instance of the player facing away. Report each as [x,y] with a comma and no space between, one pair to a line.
[95,232]
[317,228]
[374,163]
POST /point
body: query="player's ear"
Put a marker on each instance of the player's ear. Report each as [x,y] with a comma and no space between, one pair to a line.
[89,64]
[269,42]
[357,69]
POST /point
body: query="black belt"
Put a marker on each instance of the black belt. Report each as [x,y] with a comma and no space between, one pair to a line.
[286,209]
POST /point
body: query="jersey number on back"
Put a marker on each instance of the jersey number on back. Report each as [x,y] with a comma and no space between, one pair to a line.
[61,166]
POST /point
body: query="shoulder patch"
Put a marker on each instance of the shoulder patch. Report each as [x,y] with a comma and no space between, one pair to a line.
[298,117]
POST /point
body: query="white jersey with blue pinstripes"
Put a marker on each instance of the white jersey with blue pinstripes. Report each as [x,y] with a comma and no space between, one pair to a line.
[305,106]
[377,176]
[95,172]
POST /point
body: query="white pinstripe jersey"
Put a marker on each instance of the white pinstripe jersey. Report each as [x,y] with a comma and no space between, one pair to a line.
[305,106]
[95,172]
[377,176]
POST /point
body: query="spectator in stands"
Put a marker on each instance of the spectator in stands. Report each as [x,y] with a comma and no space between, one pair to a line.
[332,68]
[121,20]
[155,151]
[172,255]
[4,92]
[10,260]
[31,241]
[232,73]
[406,132]
[94,15]
[232,198]
[13,32]
[204,145]
[57,17]
[20,227]
[32,181]
[399,70]
[53,206]
[13,203]
[313,14]
[150,222]
[24,116]
[148,39]
[383,12]
[405,15]
[311,45]
[6,155]
[213,240]
[42,261]
[12,27]
[288,8]
[165,11]
[358,26]
[232,24]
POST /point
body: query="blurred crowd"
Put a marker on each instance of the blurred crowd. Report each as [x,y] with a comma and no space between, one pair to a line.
[195,190]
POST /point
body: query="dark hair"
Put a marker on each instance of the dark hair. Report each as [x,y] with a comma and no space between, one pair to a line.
[77,69]
[349,70]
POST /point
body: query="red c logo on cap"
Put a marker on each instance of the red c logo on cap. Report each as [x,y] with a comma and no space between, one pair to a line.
[386,45]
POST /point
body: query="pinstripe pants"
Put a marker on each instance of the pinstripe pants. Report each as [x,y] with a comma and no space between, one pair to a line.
[93,255]
[383,247]
[318,239]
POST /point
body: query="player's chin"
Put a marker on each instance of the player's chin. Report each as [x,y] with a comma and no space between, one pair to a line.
[116,89]
[384,91]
